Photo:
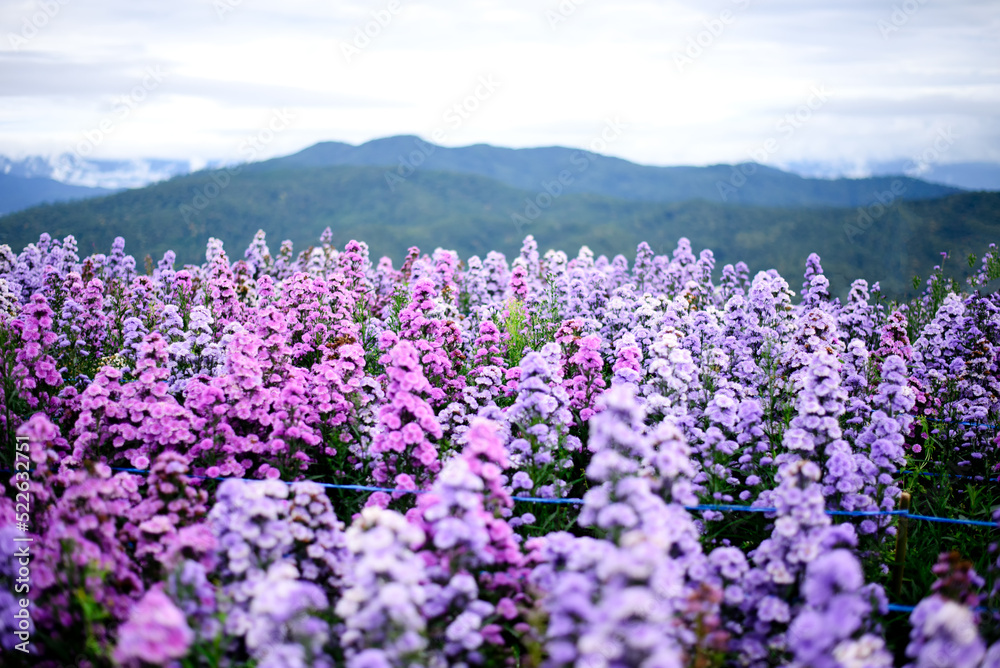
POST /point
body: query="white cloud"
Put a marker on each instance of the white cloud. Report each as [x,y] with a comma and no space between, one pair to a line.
[889,93]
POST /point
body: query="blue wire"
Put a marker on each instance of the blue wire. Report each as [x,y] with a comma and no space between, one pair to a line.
[895,607]
[948,520]
[736,509]
[535,499]
[892,607]
[572,501]
[752,509]
[868,513]
[967,424]
[951,475]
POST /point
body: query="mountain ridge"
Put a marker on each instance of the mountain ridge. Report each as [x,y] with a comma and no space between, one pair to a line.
[533,168]
[473,215]
[18,193]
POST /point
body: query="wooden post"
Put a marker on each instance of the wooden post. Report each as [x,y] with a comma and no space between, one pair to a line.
[897,574]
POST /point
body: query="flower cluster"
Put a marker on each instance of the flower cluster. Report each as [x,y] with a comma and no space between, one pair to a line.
[384,592]
[540,418]
[315,459]
[405,444]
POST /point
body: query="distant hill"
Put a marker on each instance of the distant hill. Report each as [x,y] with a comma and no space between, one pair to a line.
[18,192]
[965,175]
[472,215]
[26,182]
[71,169]
[531,168]
[528,169]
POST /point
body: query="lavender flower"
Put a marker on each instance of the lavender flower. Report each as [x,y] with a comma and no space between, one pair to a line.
[156,633]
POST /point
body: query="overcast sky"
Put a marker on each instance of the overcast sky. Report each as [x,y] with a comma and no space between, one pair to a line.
[688,82]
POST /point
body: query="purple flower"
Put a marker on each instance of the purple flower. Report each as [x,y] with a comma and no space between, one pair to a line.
[156,632]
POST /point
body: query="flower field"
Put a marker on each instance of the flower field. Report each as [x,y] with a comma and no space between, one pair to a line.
[318,459]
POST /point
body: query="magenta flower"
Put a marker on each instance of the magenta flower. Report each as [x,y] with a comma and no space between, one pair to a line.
[156,632]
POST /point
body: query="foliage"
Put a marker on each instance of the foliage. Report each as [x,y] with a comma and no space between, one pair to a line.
[181,426]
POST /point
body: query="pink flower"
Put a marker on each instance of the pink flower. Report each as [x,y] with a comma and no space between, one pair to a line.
[412,434]
[156,632]
[506,608]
